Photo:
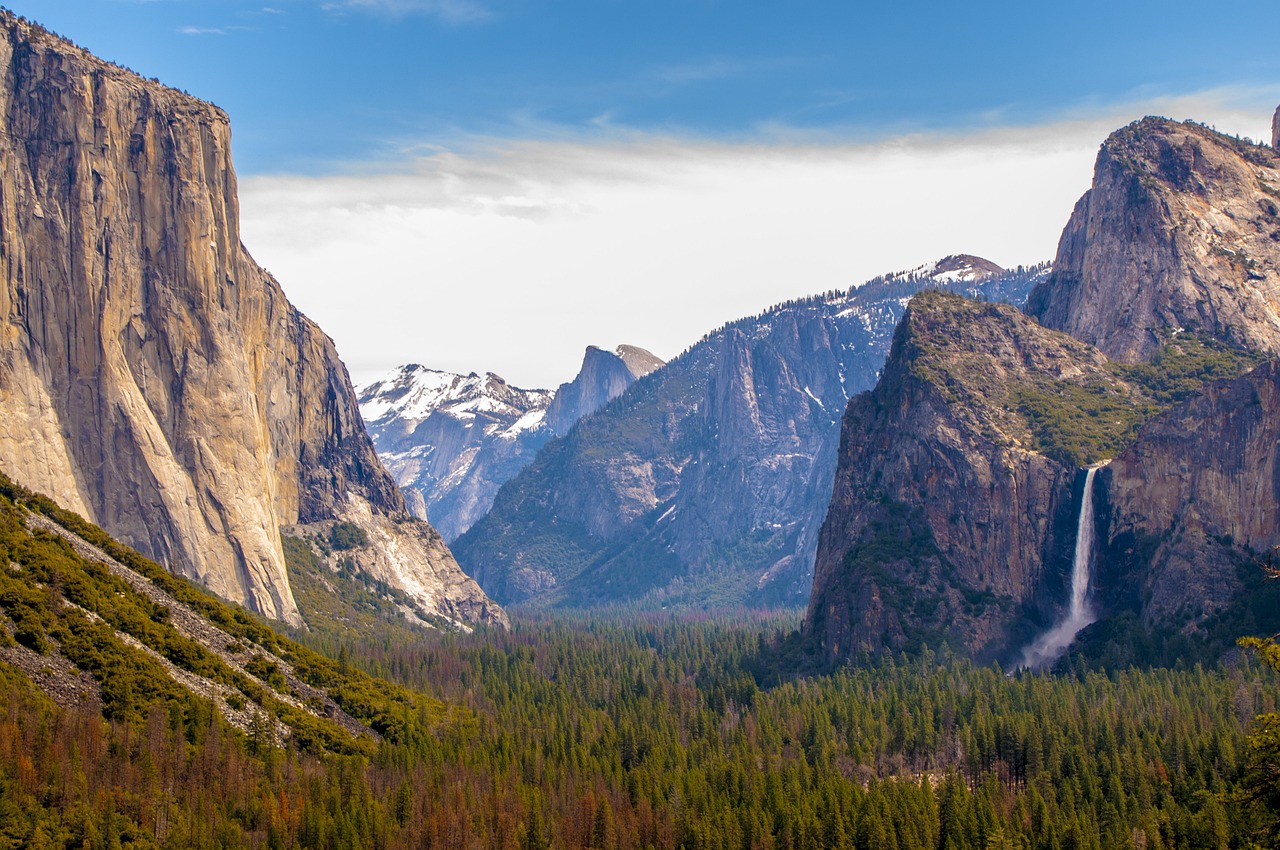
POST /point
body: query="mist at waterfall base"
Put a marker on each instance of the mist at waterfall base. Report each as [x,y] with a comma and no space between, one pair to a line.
[1049,647]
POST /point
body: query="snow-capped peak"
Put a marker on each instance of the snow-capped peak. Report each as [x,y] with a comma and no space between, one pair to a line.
[414,392]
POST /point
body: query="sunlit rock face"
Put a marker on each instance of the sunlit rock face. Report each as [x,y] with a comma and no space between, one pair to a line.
[1180,231]
[152,376]
[956,510]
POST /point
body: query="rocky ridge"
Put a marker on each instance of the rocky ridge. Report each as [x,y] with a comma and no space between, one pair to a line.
[603,377]
[450,441]
[153,377]
[705,483]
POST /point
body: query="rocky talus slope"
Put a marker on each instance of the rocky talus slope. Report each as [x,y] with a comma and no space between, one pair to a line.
[152,376]
[451,440]
[958,489]
[95,624]
[705,483]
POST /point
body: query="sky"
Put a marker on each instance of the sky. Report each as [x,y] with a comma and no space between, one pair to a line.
[494,184]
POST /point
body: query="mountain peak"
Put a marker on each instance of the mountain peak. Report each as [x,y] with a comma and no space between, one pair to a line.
[1180,231]
[639,361]
[964,267]
[604,376]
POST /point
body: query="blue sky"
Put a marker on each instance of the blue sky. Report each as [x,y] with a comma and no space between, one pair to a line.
[641,172]
[311,83]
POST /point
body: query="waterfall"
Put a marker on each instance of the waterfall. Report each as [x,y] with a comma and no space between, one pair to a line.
[1050,645]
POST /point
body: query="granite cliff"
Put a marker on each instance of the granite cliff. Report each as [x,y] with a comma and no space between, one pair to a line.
[1181,230]
[705,483]
[956,485]
[604,376]
[1190,510]
[152,377]
[451,441]
[959,485]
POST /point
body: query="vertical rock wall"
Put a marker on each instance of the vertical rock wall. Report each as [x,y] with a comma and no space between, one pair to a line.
[152,376]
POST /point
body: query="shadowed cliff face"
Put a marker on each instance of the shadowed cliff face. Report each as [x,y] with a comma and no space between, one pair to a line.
[152,376]
[1194,496]
[1180,230]
[950,500]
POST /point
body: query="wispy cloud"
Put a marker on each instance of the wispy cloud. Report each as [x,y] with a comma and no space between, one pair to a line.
[193,30]
[448,11]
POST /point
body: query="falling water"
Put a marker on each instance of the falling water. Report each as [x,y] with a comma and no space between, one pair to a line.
[1050,645]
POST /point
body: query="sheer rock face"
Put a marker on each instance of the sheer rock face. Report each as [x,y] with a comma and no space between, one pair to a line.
[945,517]
[1181,229]
[1196,492]
[946,523]
[603,377]
[152,376]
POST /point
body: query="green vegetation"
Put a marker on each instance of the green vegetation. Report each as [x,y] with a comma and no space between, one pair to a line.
[1261,783]
[1079,425]
[1185,364]
[60,602]
[347,602]
[1078,420]
[347,535]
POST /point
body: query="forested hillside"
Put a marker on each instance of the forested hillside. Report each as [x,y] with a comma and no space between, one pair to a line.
[665,733]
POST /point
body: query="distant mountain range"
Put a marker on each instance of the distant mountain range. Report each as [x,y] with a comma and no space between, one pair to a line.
[451,441]
[705,483]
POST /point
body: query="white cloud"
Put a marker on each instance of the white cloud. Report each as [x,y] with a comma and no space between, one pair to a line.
[514,257]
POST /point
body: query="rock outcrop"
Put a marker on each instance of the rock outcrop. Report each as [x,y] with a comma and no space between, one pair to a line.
[706,482]
[152,376]
[1275,129]
[603,377]
[955,493]
[1181,230]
